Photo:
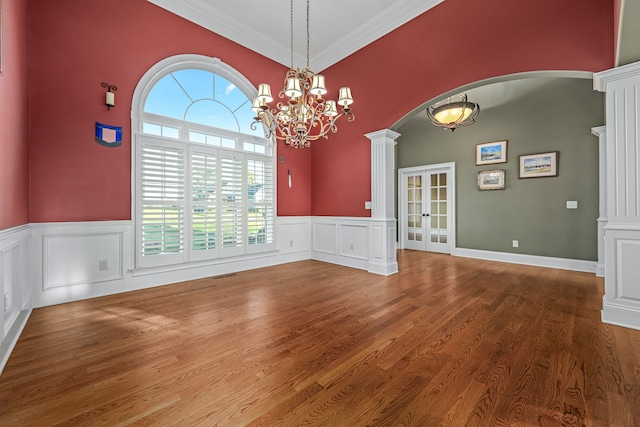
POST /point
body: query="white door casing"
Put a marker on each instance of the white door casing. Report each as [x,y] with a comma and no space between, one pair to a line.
[426,207]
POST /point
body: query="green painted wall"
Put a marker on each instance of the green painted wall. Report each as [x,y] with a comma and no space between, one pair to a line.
[556,115]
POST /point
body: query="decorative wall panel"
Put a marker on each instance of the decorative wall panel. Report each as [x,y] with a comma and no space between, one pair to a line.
[81,259]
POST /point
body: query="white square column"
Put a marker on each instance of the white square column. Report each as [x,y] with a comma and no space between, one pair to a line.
[621,304]
[382,229]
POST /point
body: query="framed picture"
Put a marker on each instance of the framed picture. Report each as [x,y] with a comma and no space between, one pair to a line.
[491,152]
[539,165]
[491,180]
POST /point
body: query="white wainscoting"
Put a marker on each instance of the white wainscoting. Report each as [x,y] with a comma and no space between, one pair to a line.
[79,260]
[383,246]
[293,237]
[341,240]
[15,292]
[621,301]
[538,261]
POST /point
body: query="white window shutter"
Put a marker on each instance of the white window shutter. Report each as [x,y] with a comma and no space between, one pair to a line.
[260,205]
[231,218]
[204,204]
[162,204]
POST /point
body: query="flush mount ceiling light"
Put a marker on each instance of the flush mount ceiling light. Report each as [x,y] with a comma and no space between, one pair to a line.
[453,112]
[305,116]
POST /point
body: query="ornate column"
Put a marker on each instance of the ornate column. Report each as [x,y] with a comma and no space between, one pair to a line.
[621,304]
[600,132]
[382,229]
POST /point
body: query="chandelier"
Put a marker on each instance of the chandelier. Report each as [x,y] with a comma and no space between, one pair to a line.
[304,115]
[453,112]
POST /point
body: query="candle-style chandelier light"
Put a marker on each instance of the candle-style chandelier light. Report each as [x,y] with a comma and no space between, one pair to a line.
[305,115]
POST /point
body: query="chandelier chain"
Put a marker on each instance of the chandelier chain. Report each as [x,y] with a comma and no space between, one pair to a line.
[291,34]
[308,44]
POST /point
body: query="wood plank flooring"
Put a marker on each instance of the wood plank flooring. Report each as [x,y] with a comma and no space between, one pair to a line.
[447,341]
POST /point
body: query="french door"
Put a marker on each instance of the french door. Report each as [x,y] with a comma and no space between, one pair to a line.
[426,207]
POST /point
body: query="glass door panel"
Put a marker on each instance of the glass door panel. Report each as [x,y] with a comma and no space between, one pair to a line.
[414,209]
[438,231]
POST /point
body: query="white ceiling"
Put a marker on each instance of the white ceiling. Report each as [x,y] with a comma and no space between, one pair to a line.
[337,27]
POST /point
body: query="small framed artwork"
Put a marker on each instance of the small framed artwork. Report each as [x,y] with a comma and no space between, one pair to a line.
[491,152]
[491,180]
[539,165]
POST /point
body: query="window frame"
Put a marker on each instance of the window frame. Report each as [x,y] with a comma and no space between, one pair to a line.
[139,117]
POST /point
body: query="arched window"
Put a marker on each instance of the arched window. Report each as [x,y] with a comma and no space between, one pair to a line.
[204,180]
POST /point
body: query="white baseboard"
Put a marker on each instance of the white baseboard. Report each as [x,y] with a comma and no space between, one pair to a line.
[614,314]
[383,269]
[10,341]
[341,260]
[534,260]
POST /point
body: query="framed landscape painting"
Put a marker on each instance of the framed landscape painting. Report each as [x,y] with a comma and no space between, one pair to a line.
[539,165]
[491,180]
[491,152]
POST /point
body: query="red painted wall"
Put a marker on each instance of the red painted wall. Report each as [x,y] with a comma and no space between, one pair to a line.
[294,200]
[456,43]
[14,117]
[77,44]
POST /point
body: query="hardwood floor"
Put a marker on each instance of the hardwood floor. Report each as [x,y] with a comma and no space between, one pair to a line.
[447,341]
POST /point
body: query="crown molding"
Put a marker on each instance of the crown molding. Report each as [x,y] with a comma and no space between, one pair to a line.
[207,16]
[387,20]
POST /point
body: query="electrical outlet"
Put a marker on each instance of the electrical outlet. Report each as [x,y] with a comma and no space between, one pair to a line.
[572,204]
[103,265]
[351,246]
[6,301]
[367,205]
[290,243]
[515,243]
